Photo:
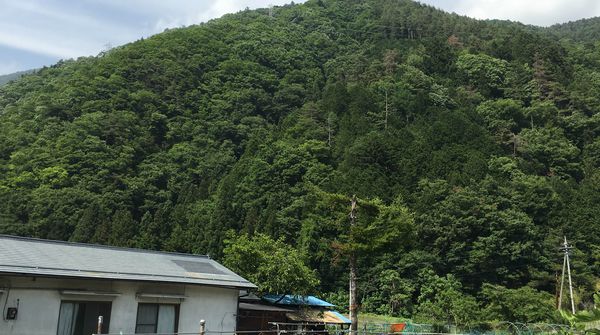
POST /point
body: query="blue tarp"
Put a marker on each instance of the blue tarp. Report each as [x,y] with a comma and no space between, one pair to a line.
[343,318]
[296,300]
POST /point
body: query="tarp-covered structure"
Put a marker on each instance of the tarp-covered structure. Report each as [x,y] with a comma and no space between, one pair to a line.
[289,312]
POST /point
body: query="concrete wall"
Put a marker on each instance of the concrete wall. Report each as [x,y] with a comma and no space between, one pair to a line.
[39,302]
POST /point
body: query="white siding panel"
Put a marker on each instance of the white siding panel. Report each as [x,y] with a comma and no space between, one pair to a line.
[39,304]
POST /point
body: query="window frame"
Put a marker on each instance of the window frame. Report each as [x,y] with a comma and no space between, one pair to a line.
[157,304]
[107,318]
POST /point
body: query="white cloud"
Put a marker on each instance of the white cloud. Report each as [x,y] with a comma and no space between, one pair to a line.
[62,44]
[65,29]
[9,67]
[31,8]
[214,9]
[537,12]
[219,8]
[177,13]
[52,30]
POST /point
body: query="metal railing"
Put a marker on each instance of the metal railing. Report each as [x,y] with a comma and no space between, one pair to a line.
[558,331]
[497,328]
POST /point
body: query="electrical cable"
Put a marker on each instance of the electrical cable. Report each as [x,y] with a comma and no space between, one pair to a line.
[5,304]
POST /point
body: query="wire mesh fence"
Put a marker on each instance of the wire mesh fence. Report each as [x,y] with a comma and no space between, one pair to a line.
[497,328]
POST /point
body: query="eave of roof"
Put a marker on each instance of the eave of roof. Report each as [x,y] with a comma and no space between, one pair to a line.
[39,272]
[262,307]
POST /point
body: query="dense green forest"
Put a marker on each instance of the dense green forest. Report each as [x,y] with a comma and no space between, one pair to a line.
[472,147]
[585,30]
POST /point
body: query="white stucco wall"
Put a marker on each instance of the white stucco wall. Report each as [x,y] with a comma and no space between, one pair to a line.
[39,304]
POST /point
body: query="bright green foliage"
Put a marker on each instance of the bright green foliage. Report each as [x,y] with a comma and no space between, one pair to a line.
[549,152]
[524,304]
[272,265]
[584,320]
[393,296]
[471,145]
[503,115]
[486,74]
[442,301]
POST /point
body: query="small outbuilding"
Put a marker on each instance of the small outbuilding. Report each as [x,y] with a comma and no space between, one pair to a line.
[289,313]
[62,288]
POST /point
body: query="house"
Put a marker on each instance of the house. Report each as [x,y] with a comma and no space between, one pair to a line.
[288,312]
[52,287]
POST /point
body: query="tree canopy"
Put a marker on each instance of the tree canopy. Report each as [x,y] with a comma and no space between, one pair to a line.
[274,266]
[472,146]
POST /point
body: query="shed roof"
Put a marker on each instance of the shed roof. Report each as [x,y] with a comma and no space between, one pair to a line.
[29,256]
[296,300]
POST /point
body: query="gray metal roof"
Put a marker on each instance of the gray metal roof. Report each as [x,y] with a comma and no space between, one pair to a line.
[29,256]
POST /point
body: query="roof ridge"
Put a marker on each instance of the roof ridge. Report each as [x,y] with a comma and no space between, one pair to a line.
[100,246]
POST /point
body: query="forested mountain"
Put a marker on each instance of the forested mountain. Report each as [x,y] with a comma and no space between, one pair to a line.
[4,79]
[586,30]
[472,147]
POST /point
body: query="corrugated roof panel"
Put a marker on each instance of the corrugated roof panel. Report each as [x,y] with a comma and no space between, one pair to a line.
[341,317]
[64,259]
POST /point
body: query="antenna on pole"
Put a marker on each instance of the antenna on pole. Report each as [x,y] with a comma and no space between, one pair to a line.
[566,265]
[271,10]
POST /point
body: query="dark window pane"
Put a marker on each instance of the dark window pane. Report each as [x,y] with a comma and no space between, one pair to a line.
[147,318]
[81,317]
[145,329]
[147,314]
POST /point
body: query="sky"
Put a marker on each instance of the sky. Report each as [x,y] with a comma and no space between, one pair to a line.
[35,33]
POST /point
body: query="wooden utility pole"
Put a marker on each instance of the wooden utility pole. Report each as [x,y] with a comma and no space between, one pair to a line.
[353,308]
[566,265]
[562,283]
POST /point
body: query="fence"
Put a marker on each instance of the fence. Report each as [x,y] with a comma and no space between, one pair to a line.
[498,328]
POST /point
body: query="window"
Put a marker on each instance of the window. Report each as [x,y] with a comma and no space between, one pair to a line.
[157,318]
[81,317]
